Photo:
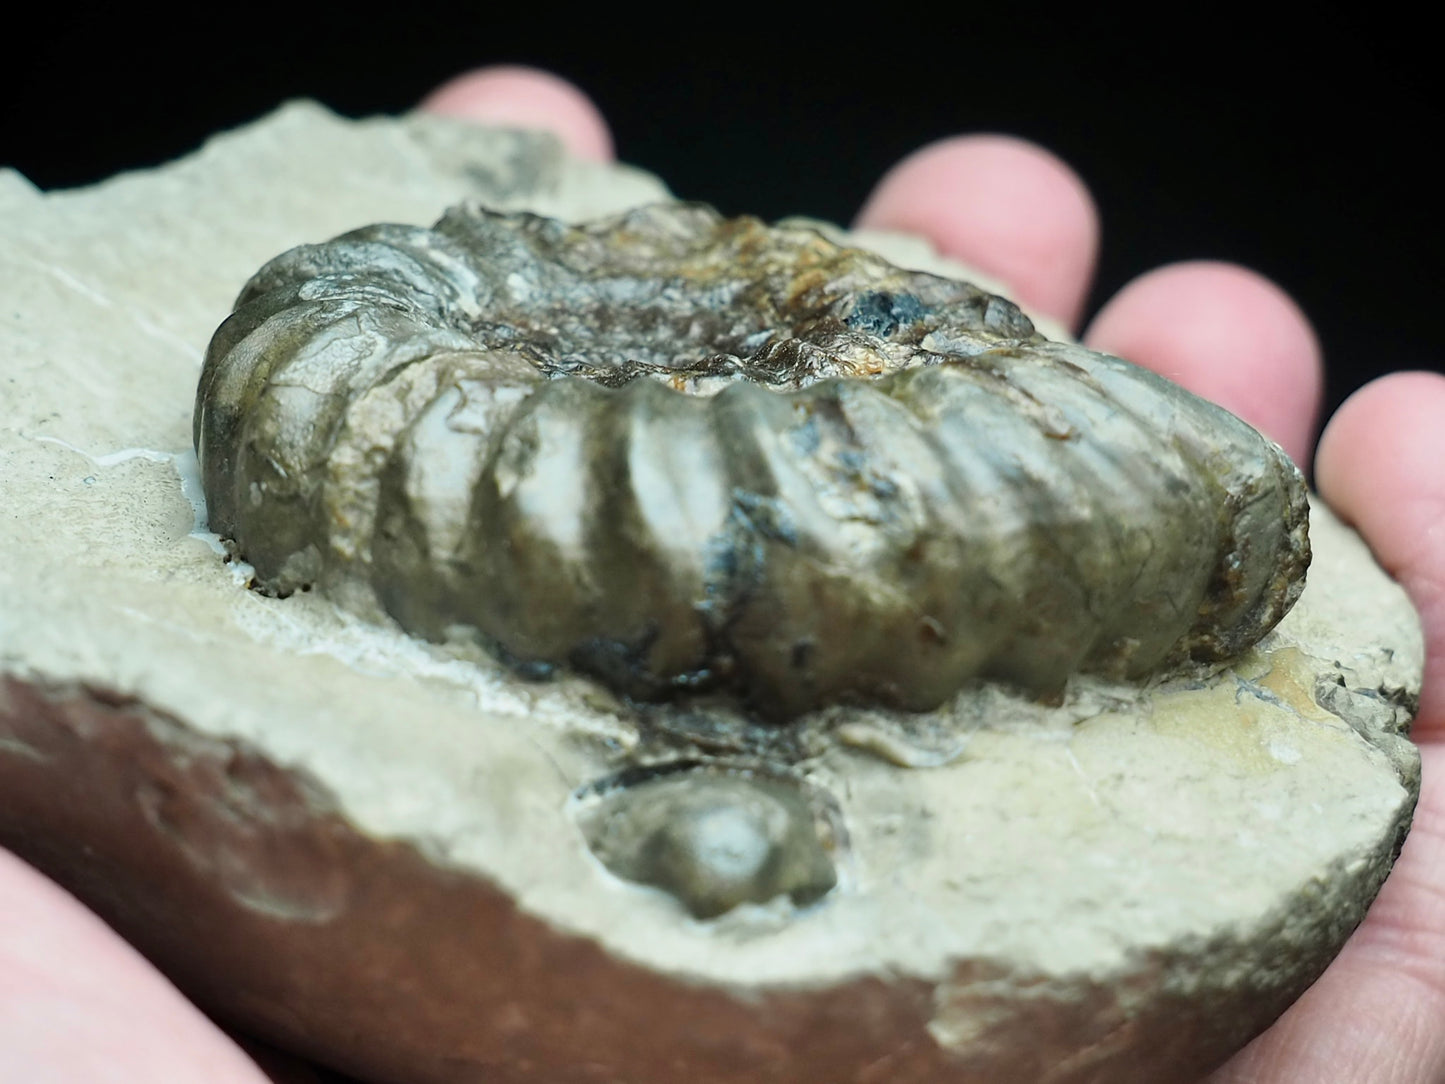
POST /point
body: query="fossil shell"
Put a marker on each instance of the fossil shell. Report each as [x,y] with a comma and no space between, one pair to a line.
[713,838]
[687,454]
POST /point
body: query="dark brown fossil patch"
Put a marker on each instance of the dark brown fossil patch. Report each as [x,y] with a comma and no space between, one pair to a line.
[686,454]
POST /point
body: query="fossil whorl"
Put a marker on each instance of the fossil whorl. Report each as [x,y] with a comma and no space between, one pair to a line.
[683,453]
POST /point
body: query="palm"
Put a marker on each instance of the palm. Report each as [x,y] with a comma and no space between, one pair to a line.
[76,1003]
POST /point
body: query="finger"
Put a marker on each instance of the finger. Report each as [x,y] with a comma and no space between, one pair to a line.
[1381,465]
[76,1001]
[1227,334]
[519,97]
[1005,206]
[1375,1014]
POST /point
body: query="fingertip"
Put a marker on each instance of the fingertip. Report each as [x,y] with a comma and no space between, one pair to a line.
[1003,205]
[1380,466]
[1394,421]
[1228,334]
[76,1000]
[522,97]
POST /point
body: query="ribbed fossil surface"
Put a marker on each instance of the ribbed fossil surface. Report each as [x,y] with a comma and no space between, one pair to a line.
[686,454]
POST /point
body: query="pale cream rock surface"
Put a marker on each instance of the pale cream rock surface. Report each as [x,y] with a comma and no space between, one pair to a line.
[359,846]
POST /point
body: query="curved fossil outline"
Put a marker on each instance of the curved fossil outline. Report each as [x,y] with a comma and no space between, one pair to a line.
[688,454]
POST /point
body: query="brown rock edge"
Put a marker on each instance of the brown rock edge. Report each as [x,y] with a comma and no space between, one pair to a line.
[418,974]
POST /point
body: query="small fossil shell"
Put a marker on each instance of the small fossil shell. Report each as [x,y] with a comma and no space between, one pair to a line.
[714,839]
[683,454]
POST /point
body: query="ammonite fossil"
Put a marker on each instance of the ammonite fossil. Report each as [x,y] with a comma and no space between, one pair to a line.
[689,455]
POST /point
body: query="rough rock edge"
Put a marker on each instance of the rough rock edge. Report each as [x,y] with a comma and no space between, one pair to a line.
[134,814]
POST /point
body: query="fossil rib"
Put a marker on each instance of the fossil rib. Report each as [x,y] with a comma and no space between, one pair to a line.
[686,453]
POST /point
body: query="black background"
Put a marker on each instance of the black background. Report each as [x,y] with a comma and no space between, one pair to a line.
[1304,151]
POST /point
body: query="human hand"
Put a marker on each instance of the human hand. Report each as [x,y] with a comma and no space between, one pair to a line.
[77,1003]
